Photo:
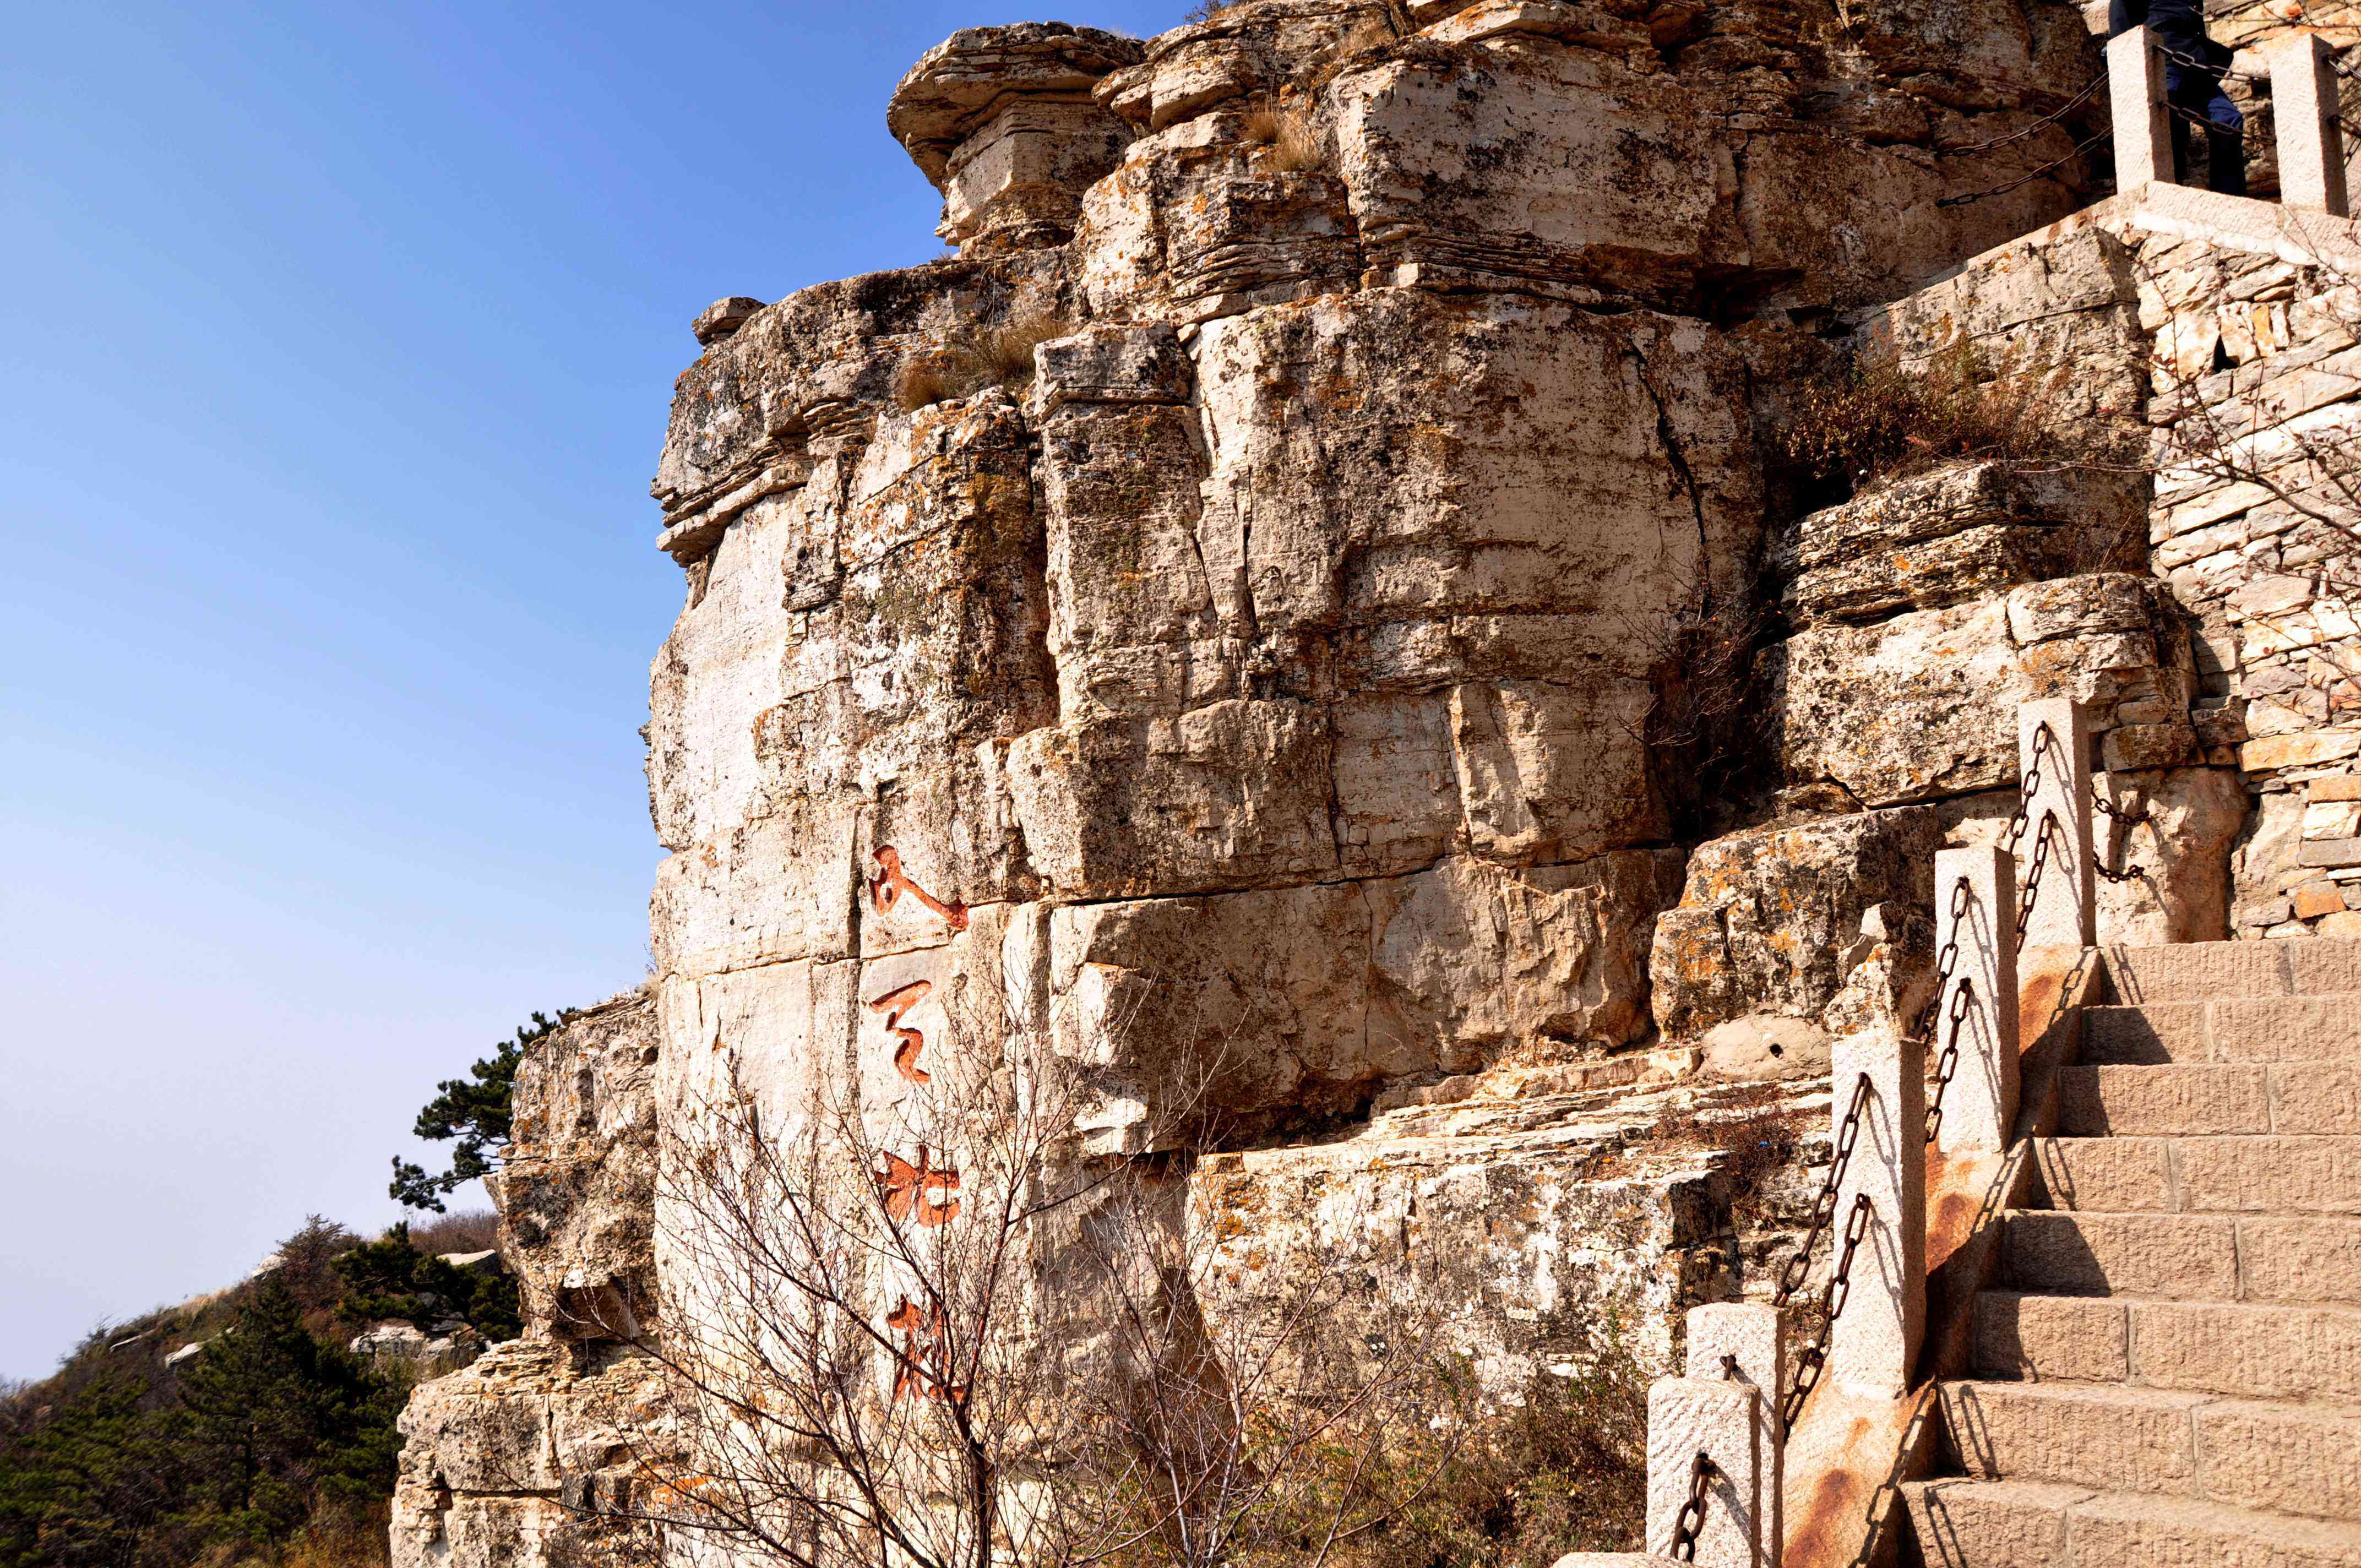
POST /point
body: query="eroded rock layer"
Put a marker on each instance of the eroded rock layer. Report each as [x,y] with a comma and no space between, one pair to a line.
[1237,639]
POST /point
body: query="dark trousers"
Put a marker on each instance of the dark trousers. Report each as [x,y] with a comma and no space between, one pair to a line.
[2198,91]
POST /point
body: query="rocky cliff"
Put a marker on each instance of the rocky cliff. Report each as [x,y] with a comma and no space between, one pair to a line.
[1238,627]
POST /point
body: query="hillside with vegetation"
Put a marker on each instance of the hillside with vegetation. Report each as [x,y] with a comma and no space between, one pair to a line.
[242,1427]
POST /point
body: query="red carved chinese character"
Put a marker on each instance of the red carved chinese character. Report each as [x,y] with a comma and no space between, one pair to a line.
[924,1362]
[893,1005]
[909,1188]
[891,883]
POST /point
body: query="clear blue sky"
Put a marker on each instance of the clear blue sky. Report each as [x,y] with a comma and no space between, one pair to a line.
[335,342]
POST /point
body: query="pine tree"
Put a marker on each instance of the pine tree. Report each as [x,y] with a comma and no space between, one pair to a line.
[274,1424]
[473,1112]
[390,1279]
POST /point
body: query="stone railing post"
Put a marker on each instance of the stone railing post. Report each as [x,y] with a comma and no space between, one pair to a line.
[2143,125]
[1726,1412]
[1974,1041]
[1880,1246]
[2056,861]
[2303,102]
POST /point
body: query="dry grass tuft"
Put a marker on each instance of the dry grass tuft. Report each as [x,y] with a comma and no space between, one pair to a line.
[1206,10]
[1295,141]
[975,358]
[922,381]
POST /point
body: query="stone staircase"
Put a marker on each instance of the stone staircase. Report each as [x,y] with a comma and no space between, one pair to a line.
[2168,1370]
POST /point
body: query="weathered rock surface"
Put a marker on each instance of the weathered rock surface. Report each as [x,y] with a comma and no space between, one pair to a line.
[1220,643]
[408,1351]
[1773,920]
[576,1188]
[1509,1229]
[1924,704]
[1955,534]
[1001,120]
[527,1460]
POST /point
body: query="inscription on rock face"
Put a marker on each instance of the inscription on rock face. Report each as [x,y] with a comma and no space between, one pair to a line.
[924,1364]
[908,1190]
[890,883]
[896,1005]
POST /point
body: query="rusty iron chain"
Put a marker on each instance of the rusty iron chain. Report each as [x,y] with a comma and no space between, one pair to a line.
[1951,1060]
[1824,1203]
[2057,117]
[1691,1522]
[2106,807]
[2043,738]
[2125,821]
[1815,1358]
[1946,962]
[2033,878]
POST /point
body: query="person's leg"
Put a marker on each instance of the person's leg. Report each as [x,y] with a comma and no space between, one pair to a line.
[2185,91]
[2198,96]
[2226,143]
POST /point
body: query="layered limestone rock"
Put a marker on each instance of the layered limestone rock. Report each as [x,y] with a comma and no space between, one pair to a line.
[576,1189]
[1002,121]
[1256,688]
[1225,646]
[528,1460]
[528,1457]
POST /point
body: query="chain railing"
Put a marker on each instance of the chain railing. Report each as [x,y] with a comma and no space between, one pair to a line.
[2032,889]
[1814,1359]
[1961,999]
[1984,917]
[1946,963]
[1692,1519]
[2312,136]
[2043,738]
[2125,821]
[1799,1267]
[1824,1205]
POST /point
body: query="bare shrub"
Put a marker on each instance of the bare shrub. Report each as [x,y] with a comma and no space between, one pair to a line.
[974,357]
[476,1231]
[1870,422]
[1707,723]
[1281,1426]
[1206,10]
[931,1325]
[1755,1129]
[1567,1470]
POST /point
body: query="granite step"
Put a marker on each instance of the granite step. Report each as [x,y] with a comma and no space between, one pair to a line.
[2228,1029]
[2293,1259]
[2303,1098]
[2239,1348]
[2201,1175]
[2209,972]
[2270,1455]
[2028,1524]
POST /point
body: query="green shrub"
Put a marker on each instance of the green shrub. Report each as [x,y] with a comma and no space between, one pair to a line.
[390,1279]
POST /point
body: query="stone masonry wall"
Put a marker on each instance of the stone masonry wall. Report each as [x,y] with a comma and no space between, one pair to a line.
[2241,323]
